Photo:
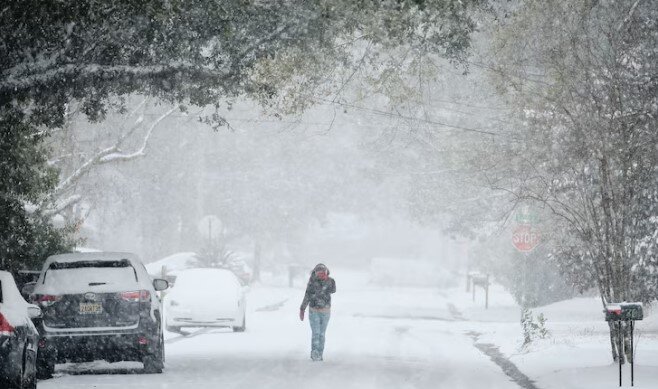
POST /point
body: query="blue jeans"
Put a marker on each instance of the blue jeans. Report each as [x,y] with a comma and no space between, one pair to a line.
[319,321]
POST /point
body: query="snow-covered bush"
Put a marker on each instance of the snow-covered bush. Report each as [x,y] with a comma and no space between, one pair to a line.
[533,328]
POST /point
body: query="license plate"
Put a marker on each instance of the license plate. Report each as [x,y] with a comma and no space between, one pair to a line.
[90,308]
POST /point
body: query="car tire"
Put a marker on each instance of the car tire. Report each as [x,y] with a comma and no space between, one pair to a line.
[10,384]
[45,368]
[154,363]
[162,349]
[243,327]
[31,382]
[19,383]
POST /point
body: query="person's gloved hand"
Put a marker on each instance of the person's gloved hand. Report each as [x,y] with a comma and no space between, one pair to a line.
[301,314]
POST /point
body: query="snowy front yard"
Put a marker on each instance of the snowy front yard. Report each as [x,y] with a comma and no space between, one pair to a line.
[576,354]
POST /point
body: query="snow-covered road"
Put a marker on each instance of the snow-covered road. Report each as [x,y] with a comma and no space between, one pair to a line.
[377,338]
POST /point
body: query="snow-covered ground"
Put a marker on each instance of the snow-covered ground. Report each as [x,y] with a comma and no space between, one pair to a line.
[384,338]
[576,354]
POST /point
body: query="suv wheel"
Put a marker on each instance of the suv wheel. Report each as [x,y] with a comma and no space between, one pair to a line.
[30,382]
[11,384]
[154,363]
[6,383]
[45,368]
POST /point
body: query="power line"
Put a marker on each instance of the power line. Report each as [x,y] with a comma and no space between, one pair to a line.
[400,116]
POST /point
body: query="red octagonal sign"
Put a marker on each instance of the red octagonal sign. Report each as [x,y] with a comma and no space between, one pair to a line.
[525,238]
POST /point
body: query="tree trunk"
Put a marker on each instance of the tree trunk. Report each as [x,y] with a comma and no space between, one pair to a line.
[257,262]
[613,340]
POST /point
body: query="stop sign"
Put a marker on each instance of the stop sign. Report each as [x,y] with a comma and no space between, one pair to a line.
[525,238]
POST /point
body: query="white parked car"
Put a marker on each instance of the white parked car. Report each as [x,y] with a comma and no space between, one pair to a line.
[206,298]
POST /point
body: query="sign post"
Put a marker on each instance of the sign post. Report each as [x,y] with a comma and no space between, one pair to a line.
[525,238]
[482,281]
[211,226]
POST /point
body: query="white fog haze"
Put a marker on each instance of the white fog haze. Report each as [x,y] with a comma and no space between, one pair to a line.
[320,185]
[387,194]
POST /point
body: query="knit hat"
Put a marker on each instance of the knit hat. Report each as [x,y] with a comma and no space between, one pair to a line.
[319,267]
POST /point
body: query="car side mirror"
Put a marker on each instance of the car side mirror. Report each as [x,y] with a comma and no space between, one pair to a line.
[28,289]
[159,284]
[33,312]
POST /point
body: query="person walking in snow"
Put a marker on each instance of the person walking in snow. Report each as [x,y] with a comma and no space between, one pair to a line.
[318,298]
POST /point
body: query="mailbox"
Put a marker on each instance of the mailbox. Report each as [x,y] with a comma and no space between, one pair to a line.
[480,280]
[624,311]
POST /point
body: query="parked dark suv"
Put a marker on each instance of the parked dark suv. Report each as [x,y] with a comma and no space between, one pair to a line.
[98,306]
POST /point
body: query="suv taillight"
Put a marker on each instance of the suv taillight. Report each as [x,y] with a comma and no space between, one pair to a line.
[5,328]
[136,296]
[47,300]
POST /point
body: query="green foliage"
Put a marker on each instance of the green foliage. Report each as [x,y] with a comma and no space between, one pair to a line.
[533,328]
[26,235]
[534,279]
[215,253]
[24,174]
[541,326]
[199,51]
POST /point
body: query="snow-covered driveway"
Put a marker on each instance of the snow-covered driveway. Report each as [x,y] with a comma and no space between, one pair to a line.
[377,338]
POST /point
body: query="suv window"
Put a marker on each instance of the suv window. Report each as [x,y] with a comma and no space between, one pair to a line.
[91,273]
[81,264]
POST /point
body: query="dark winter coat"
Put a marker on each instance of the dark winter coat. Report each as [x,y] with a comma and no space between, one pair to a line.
[318,292]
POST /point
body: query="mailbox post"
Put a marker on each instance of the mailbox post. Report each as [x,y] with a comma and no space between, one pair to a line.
[624,312]
[469,279]
[294,270]
[483,282]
